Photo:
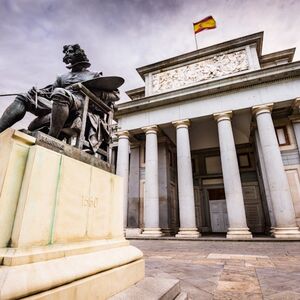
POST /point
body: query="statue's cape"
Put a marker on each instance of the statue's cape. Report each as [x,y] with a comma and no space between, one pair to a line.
[108,83]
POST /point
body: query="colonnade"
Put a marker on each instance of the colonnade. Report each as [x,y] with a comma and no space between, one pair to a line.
[280,197]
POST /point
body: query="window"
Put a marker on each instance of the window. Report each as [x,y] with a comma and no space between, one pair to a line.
[142,155]
[213,165]
[216,194]
[244,161]
[193,165]
[282,135]
[171,159]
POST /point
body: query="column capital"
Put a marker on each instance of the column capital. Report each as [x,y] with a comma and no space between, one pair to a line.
[150,129]
[226,115]
[296,103]
[182,123]
[124,134]
[296,107]
[261,109]
[294,118]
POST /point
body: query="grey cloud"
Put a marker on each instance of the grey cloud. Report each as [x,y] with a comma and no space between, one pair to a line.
[121,35]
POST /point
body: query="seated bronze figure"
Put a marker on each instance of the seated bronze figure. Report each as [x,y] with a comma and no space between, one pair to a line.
[60,105]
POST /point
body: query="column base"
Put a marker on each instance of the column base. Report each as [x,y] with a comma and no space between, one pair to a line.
[152,232]
[166,231]
[239,234]
[272,231]
[133,232]
[286,233]
[188,233]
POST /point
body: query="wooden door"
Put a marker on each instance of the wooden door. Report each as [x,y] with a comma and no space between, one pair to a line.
[253,207]
[218,215]
[198,208]
[174,218]
[142,199]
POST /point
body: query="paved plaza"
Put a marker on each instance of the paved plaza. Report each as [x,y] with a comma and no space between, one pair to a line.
[226,270]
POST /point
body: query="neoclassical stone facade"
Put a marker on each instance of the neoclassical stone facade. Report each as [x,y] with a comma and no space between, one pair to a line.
[211,144]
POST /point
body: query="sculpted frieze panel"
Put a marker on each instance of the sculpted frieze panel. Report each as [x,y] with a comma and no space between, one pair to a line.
[215,67]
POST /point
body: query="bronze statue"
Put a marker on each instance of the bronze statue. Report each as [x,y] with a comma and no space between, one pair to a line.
[60,105]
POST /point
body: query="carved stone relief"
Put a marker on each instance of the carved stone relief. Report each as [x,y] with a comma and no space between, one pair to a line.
[215,67]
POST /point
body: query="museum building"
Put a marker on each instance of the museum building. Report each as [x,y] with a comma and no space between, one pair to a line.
[211,144]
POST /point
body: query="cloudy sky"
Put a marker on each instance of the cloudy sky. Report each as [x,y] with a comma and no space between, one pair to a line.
[121,35]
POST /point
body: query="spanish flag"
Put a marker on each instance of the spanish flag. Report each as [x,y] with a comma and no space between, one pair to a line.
[206,23]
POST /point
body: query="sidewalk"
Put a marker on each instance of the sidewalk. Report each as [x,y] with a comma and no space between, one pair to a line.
[226,270]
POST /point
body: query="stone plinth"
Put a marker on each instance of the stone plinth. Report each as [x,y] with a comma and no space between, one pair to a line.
[61,221]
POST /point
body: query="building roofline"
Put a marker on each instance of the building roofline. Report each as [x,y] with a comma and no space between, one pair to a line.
[256,38]
[133,92]
[283,54]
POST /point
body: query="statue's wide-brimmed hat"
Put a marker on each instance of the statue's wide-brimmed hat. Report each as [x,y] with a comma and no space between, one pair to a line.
[107,83]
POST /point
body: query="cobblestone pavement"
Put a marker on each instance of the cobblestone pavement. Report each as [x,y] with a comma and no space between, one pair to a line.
[226,270]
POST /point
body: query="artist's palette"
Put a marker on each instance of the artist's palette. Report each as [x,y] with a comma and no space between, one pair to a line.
[107,83]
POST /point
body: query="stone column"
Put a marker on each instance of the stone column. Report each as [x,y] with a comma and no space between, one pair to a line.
[238,228]
[133,225]
[279,188]
[187,214]
[151,201]
[123,168]
[265,182]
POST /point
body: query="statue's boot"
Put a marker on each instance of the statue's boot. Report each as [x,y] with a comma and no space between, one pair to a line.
[60,114]
[40,122]
[14,113]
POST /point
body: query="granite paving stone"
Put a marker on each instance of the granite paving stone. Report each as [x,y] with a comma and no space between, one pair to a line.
[226,270]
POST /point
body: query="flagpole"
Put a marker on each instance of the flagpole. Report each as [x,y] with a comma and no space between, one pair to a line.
[196,41]
[206,23]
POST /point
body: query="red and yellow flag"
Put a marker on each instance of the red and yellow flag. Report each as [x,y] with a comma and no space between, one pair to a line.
[206,23]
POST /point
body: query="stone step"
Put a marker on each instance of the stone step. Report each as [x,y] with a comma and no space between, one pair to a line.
[182,296]
[151,289]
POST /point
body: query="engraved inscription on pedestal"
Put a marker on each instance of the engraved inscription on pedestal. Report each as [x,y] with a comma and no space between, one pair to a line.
[218,66]
[87,202]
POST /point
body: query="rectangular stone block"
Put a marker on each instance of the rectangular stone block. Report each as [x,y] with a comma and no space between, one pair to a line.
[100,286]
[36,207]
[63,200]
[72,203]
[14,148]
[99,205]
[60,225]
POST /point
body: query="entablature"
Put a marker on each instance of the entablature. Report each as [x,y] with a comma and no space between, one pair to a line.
[256,77]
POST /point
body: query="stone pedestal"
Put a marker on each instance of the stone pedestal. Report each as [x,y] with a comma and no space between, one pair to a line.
[61,226]
[238,228]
